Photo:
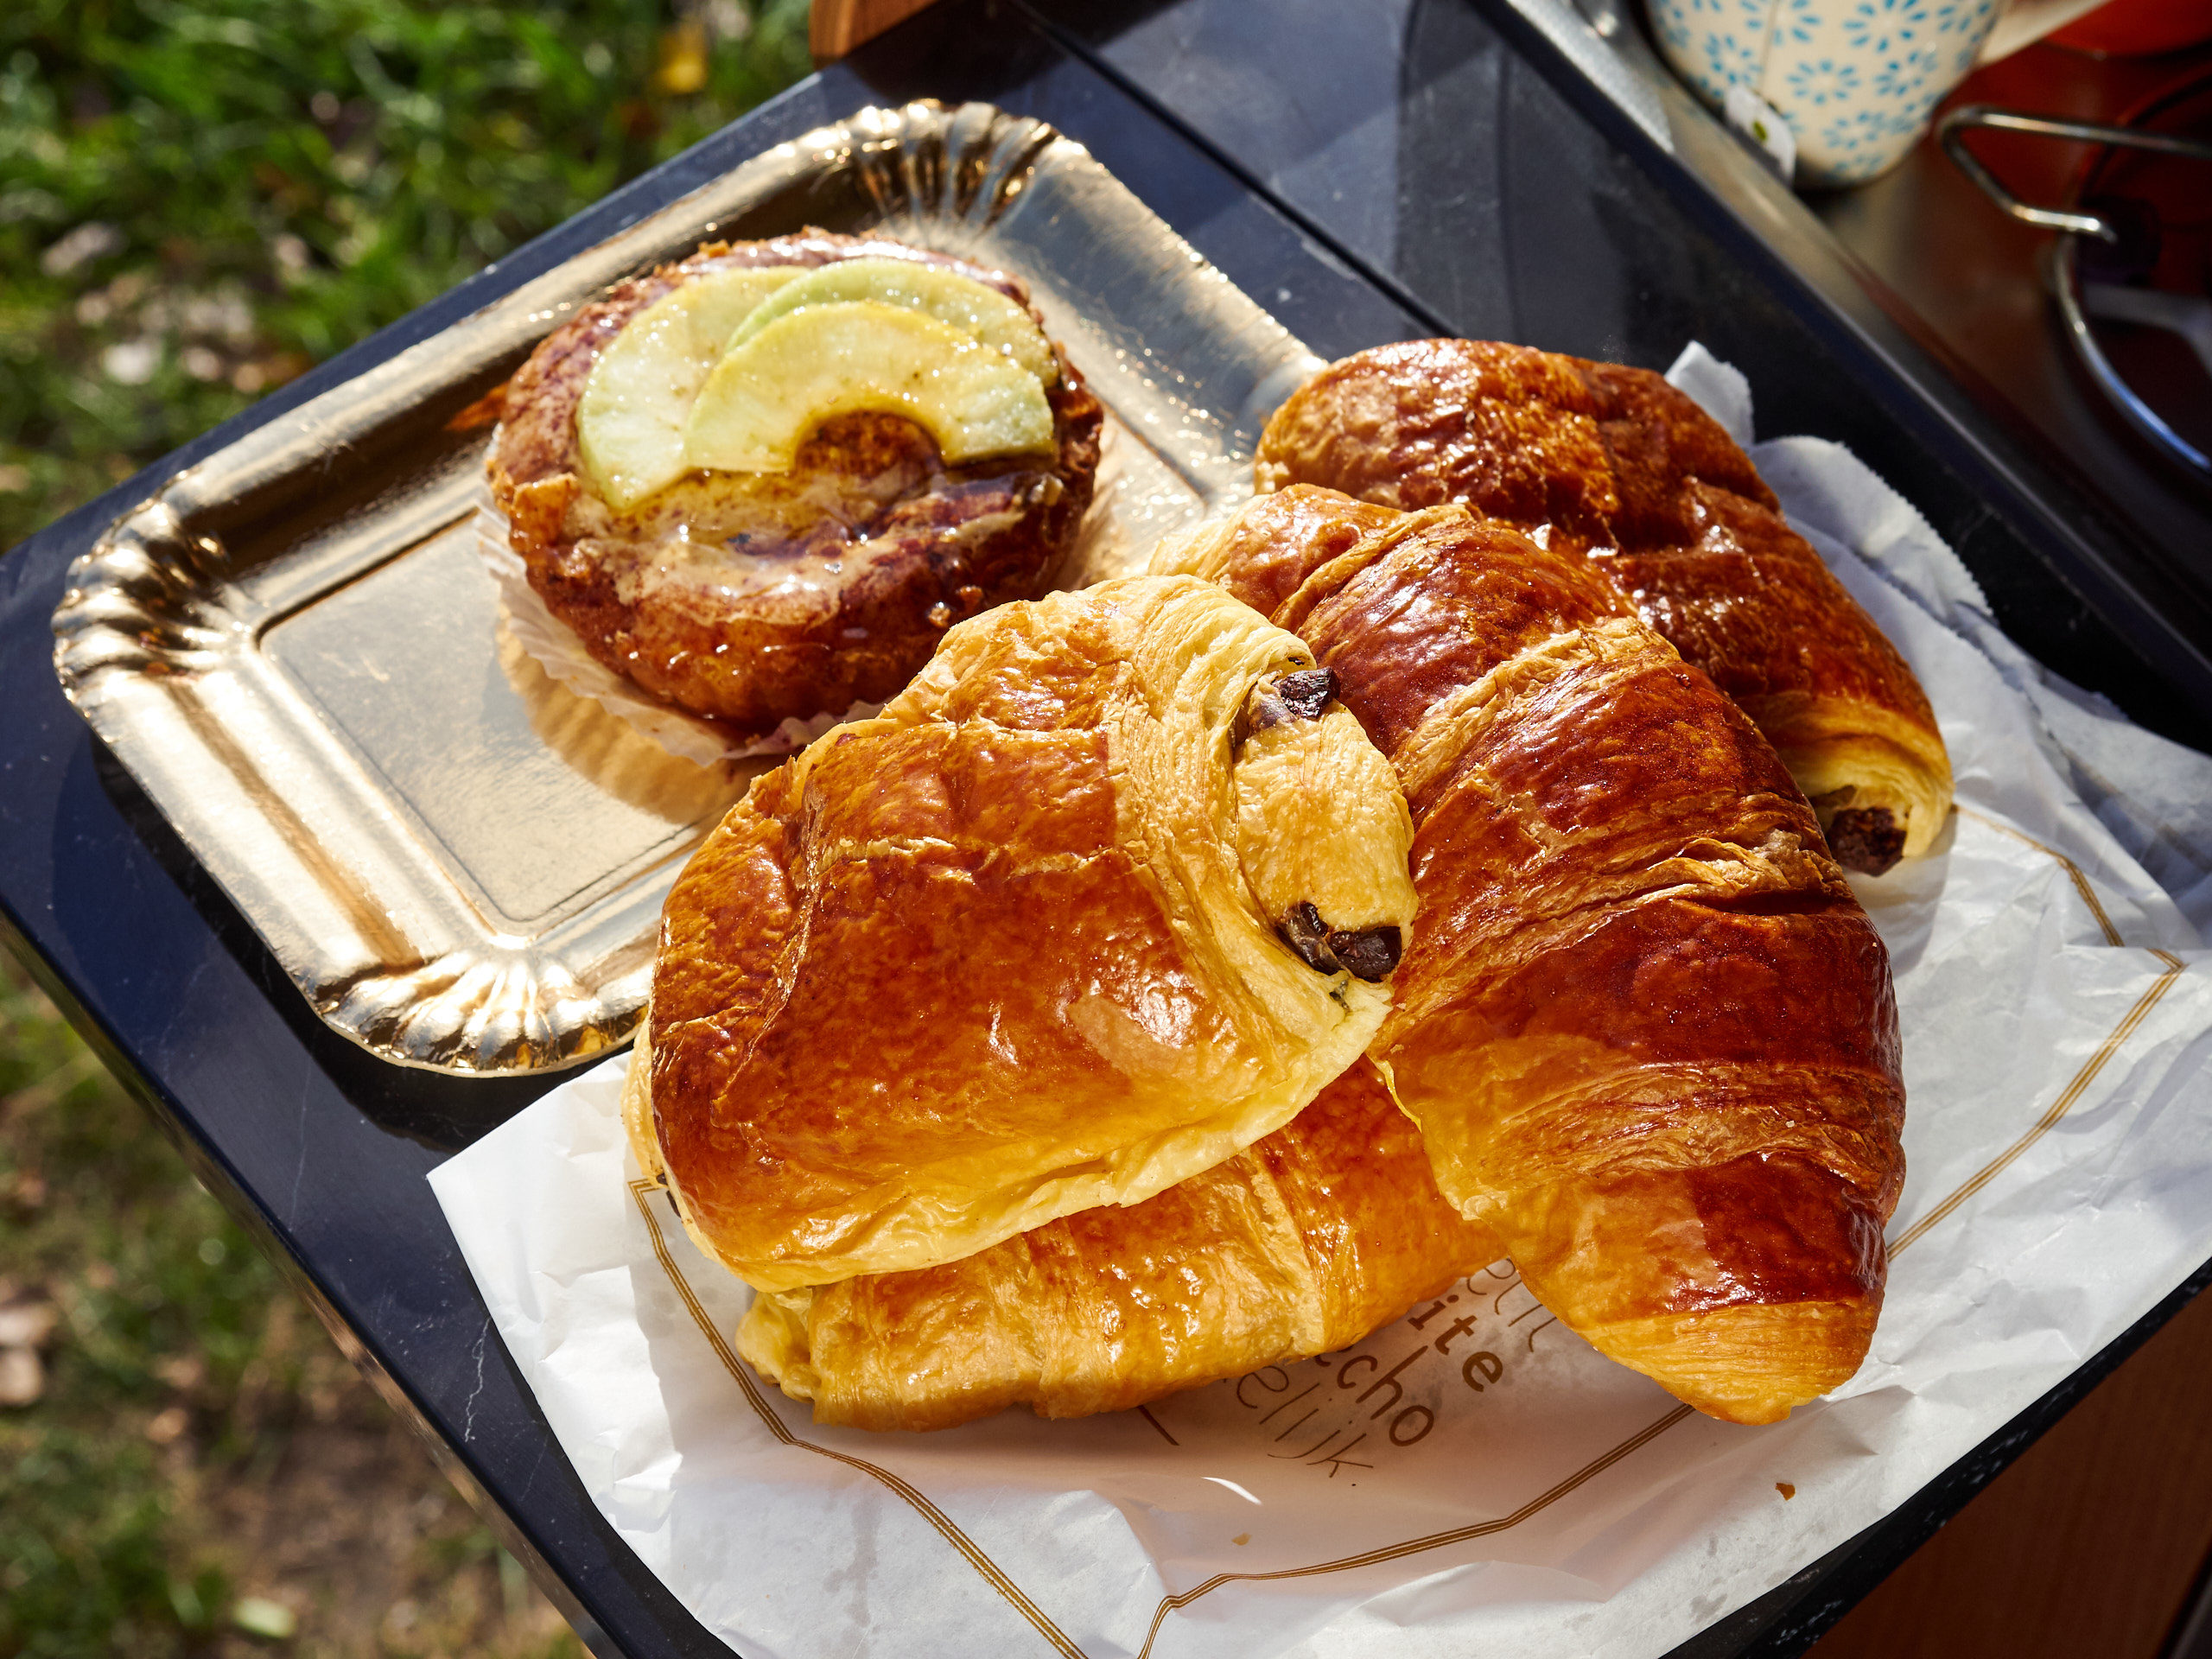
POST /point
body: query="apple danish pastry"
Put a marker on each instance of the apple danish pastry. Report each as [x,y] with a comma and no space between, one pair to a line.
[1647,1032]
[1614,464]
[761,482]
[1302,1243]
[1107,895]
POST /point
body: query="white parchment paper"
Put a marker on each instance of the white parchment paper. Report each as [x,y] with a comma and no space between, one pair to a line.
[1475,1479]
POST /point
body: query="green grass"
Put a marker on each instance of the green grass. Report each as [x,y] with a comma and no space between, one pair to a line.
[194,1421]
[153,1283]
[197,202]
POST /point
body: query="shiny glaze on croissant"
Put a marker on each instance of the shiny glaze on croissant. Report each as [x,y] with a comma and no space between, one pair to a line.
[1647,1031]
[1026,942]
[1613,463]
[1303,1243]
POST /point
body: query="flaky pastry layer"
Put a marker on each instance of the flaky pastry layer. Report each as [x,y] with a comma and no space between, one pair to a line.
[1019,946]
[1303,1243]
[1647,1031]
[1613,464]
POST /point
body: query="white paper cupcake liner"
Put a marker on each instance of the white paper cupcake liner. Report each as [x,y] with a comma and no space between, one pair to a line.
[554,646]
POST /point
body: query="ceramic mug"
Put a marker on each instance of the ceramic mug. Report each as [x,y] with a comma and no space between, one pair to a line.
[1855,79]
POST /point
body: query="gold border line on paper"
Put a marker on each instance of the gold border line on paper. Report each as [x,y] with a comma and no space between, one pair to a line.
[930,1512]
[643,1187]
[2073,870]
[997,1578]
[2065,1102]
[1413,1546]
[2072,1093]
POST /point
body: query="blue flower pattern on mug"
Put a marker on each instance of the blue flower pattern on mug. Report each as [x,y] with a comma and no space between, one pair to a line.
[1883,27]
[1853,129]
[1901,77]
[1856,79]
[1731,59]
[1822,82]
[1794,24]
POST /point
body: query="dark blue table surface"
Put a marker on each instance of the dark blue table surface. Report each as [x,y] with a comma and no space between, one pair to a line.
[1444,149]
[1367,176]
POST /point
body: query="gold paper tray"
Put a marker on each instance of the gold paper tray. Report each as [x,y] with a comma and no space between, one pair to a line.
[294,647]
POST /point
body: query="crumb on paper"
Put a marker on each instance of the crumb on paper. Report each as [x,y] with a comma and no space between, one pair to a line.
[1786,1490]
[1241,1538]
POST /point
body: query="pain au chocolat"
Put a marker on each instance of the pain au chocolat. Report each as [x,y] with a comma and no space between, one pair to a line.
[1647,1032]
[1611,463]
[762,481]
[1302,1243]
[1106,895]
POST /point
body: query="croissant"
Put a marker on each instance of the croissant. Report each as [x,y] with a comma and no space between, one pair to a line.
[1107,895]
[1647,1032]
[1302,1243]
[1611,462]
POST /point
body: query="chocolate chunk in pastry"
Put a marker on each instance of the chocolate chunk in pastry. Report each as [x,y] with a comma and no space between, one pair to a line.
[1307,694]
[1304,932]
[1305,1243]
[1369,953]
[761,482]
[1612,464]
[1647,1032]
[1011,951]
[1865,838]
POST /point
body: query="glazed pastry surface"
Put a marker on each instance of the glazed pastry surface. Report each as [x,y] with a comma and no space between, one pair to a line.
[1647,1032]
[1302,1243]
[750,597]
[1107,893]
[1614,464]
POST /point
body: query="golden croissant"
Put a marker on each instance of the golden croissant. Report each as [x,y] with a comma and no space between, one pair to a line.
[1303,1243]
[1105,896]
[1611,463]
[1647,1032]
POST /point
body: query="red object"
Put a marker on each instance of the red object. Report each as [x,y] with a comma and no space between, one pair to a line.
[2138,28]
